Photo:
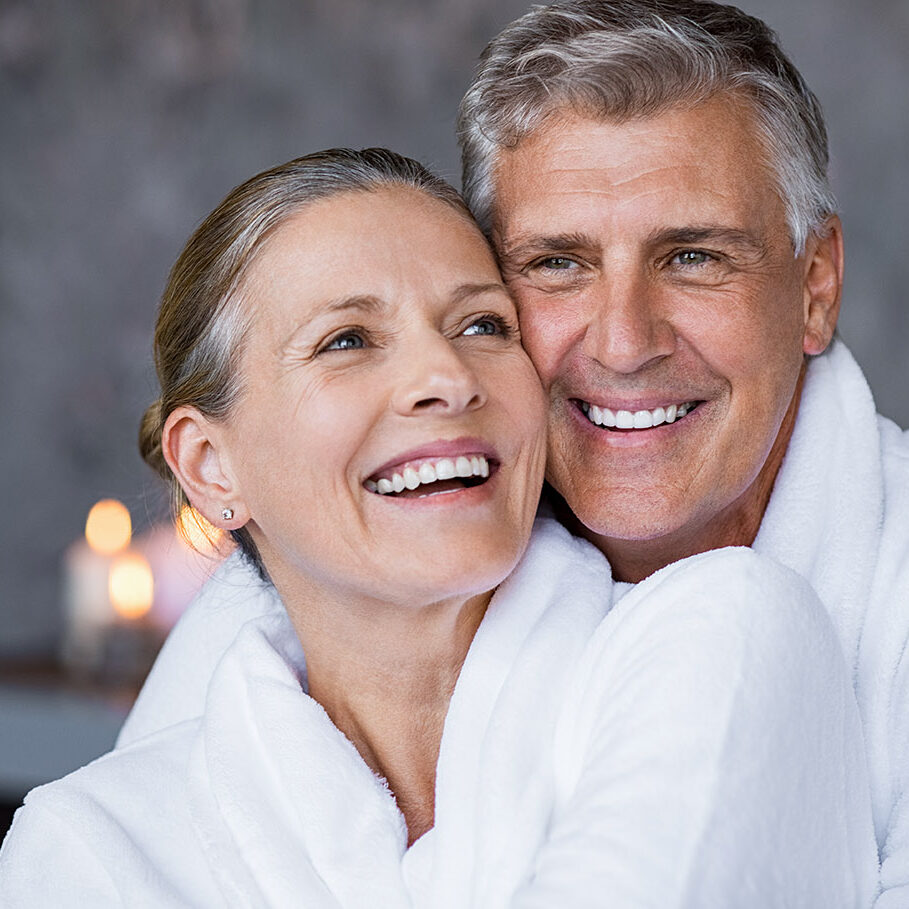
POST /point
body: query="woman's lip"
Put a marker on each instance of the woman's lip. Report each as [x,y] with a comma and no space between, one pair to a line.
[440,448]
[455,498]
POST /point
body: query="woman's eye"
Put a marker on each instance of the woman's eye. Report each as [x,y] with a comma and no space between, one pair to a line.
[487,325]
[350,340]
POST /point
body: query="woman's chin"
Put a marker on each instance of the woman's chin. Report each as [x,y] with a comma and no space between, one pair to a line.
[450,570]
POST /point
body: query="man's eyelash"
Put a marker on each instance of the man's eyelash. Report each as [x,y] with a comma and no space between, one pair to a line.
[546,262]
[702,254]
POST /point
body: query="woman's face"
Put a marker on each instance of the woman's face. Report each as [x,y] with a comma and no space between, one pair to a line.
[384,352]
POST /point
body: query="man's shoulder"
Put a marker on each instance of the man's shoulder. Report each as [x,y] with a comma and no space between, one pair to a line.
[894,444]
[895,530]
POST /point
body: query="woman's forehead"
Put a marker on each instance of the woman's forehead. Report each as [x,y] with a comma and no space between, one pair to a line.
[394,245]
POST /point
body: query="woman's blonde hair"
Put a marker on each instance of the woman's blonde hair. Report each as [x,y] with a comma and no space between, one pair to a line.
[202,322]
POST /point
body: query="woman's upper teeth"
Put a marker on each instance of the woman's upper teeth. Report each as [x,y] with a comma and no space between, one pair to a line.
[412,476]
[637,419]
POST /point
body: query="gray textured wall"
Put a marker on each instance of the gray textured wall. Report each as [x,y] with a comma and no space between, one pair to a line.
[123,123]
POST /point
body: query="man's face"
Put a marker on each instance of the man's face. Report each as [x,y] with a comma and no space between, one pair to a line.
[663,306]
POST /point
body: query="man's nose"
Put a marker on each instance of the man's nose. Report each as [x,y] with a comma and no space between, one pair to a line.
[435,376]
[628,324]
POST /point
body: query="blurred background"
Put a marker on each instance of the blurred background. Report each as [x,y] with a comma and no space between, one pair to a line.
[123,123]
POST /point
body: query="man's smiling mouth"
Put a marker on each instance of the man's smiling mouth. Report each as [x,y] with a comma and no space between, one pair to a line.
[637,419]
[433,476]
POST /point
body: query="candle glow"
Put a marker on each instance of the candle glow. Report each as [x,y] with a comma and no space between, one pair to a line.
[108,528]
[131,586]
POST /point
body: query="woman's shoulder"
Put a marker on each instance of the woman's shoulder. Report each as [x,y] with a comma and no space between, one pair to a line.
[116,824]
[176,687]
[129,787]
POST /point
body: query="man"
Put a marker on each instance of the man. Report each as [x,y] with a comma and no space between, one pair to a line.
[653,177]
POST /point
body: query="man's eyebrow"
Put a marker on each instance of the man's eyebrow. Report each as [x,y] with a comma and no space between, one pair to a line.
[554,243]
[694,236]
[682,236]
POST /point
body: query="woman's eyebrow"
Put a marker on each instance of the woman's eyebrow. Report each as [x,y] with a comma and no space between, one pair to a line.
[364,303]
[465,291]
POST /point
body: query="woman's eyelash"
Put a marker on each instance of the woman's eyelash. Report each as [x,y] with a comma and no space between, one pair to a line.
[349,339]
[500,325]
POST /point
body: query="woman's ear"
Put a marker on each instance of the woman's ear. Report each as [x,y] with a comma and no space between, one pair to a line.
[823,286]
[192,445]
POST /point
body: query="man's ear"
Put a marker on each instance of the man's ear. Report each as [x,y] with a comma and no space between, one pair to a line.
[192,446]
[823,286]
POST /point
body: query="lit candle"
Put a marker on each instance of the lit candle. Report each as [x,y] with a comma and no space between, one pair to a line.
[131,641]
[86,591]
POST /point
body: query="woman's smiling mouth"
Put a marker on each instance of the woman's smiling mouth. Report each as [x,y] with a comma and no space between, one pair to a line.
[432,476]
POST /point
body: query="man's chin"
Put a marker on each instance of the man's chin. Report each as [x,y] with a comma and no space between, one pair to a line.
[606,516]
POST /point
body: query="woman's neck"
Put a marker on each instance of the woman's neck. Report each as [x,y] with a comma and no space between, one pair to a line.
[385,675]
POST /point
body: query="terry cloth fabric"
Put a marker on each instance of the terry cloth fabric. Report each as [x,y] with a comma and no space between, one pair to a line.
[176,687]
[624,759]
[839,517]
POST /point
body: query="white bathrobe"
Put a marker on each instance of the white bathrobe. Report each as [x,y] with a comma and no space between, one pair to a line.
[838,516]
[676,749]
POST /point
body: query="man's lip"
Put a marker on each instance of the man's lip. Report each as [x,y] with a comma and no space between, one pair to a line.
[651,402]
[635,435]
[440,448]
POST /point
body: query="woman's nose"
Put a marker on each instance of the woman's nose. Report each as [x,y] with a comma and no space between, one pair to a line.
[437,377]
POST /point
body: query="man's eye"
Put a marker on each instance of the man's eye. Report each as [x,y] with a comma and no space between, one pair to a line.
[556,263]
[350,340]
[487,325]
[692,257]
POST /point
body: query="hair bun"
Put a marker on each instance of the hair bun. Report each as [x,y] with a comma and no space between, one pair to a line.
[150,430]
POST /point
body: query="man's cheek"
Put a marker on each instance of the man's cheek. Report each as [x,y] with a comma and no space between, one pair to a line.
[545,340]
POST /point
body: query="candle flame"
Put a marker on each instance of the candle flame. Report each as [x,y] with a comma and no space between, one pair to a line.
[197,532]
[131,585]
[108,527]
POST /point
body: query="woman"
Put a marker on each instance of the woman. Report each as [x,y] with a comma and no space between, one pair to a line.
[344,390]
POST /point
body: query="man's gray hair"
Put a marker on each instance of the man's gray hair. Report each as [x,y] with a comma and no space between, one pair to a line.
[619,60]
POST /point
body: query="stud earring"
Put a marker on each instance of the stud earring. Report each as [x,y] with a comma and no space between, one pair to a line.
[227,514]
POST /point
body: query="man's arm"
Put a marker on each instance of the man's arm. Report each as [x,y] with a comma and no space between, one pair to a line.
[713,754]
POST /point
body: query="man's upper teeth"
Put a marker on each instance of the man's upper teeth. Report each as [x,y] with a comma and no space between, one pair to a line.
[429,471]
[637,419]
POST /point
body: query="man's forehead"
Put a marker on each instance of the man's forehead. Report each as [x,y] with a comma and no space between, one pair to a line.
[705,159]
